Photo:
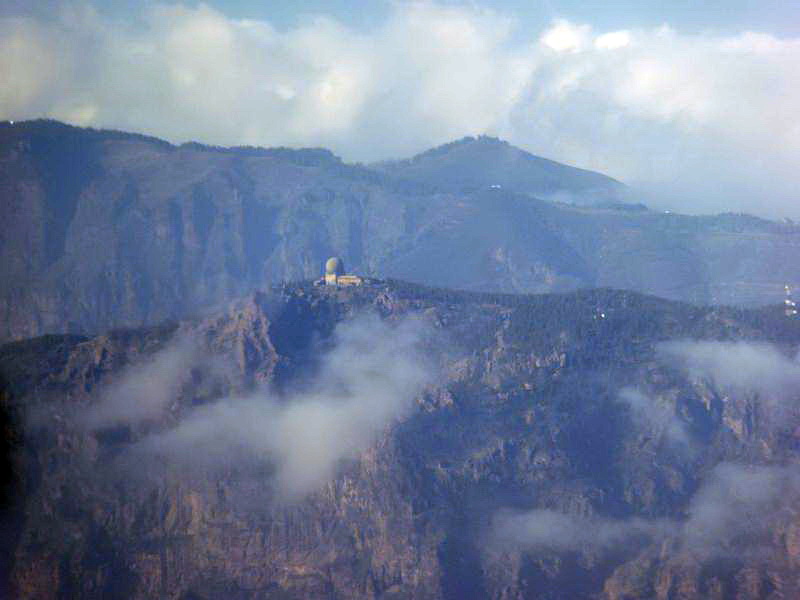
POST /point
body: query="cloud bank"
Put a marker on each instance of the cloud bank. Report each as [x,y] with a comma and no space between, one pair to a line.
[145,390]
[549,530]
[706,120]
[650,415]
[369,379]
[739,501]
[729,514]
[749,366]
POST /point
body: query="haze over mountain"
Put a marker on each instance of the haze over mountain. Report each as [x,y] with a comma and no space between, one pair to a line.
[103,229]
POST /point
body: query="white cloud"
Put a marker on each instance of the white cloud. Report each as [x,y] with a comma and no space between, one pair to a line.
[648,413]
[146,388]
[707,120]
[369,379]
[739,366]
[551,530]
[563,36]
[613,40]
[739,500]
[755,374]
[732,511]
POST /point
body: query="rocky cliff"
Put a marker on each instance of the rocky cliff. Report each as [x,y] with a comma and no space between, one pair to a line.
[394,441]
[105,229]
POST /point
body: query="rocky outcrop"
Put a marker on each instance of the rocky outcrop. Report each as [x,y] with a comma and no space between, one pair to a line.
[528,415]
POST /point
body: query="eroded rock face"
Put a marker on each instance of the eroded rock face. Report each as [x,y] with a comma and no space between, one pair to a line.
[105,229]
[539,410]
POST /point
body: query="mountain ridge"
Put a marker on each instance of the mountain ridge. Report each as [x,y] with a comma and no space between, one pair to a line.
[484,161]
[113,230]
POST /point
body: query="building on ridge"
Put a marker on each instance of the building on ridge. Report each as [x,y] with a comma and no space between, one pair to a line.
[335,275]
[790,306]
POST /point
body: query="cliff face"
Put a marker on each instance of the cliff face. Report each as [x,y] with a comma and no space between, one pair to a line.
[587,445]
[105,229]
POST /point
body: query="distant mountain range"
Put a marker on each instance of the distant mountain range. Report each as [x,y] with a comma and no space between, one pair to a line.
[103,229]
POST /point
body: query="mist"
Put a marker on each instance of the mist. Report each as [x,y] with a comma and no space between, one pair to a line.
[145,389]
[699,122]
[729,514]
[369,379]
[736,505]
[739,367]
[649,414]
[547,530]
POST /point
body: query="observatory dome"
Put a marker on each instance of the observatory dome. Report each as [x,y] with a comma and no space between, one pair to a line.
[334,266]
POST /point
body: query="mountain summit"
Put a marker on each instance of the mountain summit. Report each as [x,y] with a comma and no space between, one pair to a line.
[484,161]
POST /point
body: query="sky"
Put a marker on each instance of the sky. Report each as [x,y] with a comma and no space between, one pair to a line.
[692,104]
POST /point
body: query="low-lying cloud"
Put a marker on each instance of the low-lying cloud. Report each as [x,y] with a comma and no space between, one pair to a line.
[370,378]
[739,501]
[705,120]
[145,389]
[651,415]
[550,530]
[737,370]
[748,366]
[732,511]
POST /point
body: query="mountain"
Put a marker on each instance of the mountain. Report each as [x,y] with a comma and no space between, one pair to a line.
[106,229]
[592,444]
[471,164]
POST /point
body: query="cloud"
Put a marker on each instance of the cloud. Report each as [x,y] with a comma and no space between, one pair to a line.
[145,389]
[738,366]
[733,510]
[563,36]
[739,501]
[754,378]
[707,121]
[550,530]
[649,414]
[613,40]
[369,379]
